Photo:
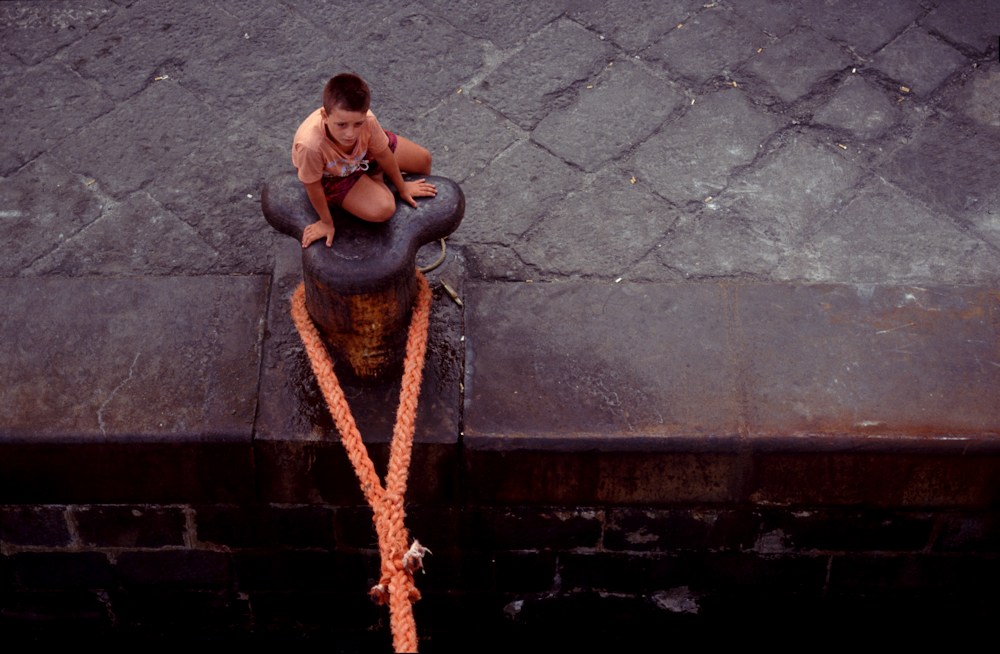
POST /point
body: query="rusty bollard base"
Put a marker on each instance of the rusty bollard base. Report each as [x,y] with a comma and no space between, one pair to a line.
[360,291]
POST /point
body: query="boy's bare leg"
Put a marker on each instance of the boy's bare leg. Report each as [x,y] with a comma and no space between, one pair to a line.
[370,199]
[412,158]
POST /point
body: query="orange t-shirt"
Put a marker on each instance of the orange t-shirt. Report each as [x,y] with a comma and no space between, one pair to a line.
[315,155]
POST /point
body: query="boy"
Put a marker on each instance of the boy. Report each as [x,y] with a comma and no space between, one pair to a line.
[342,155]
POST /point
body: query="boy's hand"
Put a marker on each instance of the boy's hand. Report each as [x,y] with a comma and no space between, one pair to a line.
[316,231]
[419,188]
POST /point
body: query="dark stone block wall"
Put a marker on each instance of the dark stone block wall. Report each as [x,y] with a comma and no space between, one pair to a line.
[520,574]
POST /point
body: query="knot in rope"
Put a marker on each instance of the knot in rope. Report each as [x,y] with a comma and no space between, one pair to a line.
[399,562]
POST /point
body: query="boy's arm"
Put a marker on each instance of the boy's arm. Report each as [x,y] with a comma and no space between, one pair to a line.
[322,228]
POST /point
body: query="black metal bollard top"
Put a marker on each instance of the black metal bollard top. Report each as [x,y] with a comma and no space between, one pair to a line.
[363,252]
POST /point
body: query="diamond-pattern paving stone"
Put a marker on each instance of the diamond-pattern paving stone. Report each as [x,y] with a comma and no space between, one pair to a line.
[884,236]
[137,237]
[953,167]
[391,54]
[776,17]
[127,52]
[341,20]
[692,157]
[224,209]
[38,114]
[43,206]
[599,126]
[713,244]
[503,23]
[274,39]
[979,100]
[919,61]
[600,231]
[798,62]
[133,144]
[974,23]
[462,135]
[528,86]
[860,108]
[792,190]
[34,31]
[520,186]
[711,43]
[628,22]
[862,25]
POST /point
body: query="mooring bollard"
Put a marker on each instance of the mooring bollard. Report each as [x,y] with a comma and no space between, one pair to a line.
[360,291]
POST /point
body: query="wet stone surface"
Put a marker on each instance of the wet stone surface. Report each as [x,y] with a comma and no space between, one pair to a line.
[870,358]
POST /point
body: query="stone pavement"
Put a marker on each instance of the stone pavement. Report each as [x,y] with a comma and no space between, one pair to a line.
[691,226]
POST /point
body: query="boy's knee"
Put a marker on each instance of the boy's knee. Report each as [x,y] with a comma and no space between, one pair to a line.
[382,210]
[418,160]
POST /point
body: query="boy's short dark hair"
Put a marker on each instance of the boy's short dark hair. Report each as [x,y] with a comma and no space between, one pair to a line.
[348,92]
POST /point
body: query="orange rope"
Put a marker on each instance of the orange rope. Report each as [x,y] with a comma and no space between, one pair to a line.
[399,561]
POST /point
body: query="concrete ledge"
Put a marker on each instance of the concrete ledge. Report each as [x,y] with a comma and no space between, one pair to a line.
[129,389]
[733,393]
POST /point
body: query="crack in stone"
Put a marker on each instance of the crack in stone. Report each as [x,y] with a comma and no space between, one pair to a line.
[104,405]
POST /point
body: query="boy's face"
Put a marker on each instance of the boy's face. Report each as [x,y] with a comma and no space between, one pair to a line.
[344,126]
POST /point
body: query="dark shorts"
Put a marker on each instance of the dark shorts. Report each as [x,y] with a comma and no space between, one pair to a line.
[337,188]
